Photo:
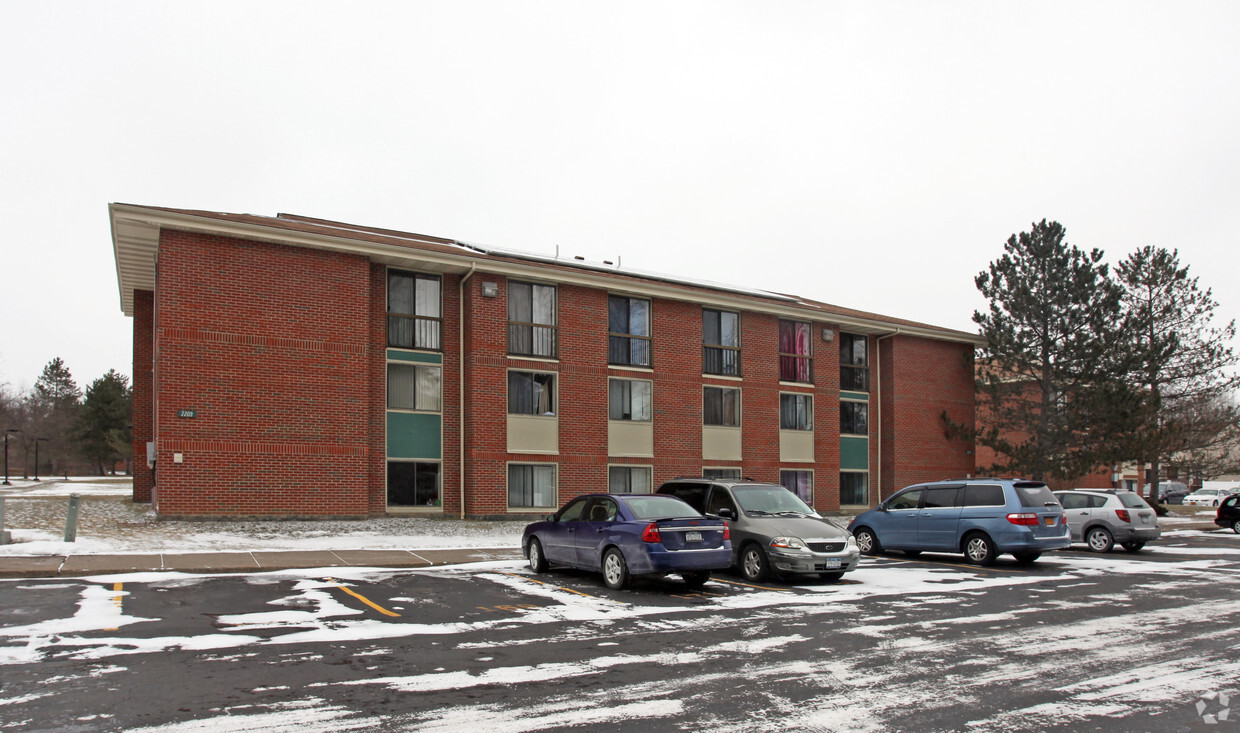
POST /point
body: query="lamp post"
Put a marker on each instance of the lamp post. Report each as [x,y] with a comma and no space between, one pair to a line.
[6,454]
[36,456]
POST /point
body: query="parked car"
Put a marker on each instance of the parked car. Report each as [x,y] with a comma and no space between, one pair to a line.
[1229,513]
[1208,497]
[623,535]
[773,531]
[1169,492]
[983,518]
[1102,518]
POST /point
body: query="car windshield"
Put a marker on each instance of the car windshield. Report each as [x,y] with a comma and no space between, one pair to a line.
[769,499]
[660,507]
[1035,494]
[1131,500]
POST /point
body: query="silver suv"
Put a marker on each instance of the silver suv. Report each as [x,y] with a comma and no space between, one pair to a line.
[773,531]
[1102,518]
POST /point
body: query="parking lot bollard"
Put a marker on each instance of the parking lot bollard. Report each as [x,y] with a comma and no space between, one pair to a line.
[75,501]
[4,536]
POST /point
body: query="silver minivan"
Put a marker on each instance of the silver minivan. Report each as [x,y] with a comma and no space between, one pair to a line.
[1103,518]
[773,531]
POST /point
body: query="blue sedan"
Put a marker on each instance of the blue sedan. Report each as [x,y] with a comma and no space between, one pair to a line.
[622,535]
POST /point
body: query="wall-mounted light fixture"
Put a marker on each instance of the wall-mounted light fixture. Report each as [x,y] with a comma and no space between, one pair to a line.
[490,290]
[828,335]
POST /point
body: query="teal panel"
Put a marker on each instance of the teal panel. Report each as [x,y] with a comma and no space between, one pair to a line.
[854,395]
[855,453]
[395,355]
[414,435]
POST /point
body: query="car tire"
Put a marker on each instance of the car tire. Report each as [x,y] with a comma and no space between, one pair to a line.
[1026,558]
[831,577]
[1099,539]
[695,579]
[1235,526]
[980,549]
[754,566]
[1133,546]
[615,569]
[538,561]
[867,541]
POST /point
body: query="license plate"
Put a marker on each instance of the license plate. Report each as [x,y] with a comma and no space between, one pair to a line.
[1050,521]
[693,536]
[831,563]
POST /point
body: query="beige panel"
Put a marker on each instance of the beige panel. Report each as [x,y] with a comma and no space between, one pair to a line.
[796,446]
[722,444]
[630,438]
[530,434]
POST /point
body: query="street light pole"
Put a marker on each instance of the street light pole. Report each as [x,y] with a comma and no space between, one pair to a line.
[36,456]
[6,455]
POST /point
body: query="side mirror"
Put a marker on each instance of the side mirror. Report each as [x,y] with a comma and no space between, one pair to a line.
[727,514]
[881,507]
[550,518]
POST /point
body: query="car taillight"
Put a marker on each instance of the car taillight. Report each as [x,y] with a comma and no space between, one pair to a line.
[1027,519]
[651,533]
[1122,514]
[727,533]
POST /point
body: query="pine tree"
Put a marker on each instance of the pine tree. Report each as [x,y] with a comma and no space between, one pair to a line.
[103,422]
[1182,362]
[53,407]
[1049,403]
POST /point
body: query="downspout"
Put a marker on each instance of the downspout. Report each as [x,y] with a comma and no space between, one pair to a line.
[460,374]
[878,409]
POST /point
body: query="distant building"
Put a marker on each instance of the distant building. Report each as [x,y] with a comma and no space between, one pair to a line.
[298,367]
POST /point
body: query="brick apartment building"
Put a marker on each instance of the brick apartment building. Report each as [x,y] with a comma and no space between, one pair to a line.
[298,367]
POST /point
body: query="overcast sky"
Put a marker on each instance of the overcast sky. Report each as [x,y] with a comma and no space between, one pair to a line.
[873,155]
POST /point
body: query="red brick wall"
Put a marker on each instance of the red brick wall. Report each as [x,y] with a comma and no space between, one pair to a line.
[142,409]
[269,344]
[921,379]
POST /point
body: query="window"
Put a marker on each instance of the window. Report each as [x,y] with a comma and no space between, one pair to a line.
[531,320]
[531,393]
[628,323]
[629,399]
[413,311]
[853,418]
[629,479]
[531,485]
[983,495]
[721,473]
[721,406]
[907,500]
[721,342]
[796,412]
[854,366]
[412,484]
[854,487]
[720,500]
[795,360]
[800,483]
[414,387]
[941,497]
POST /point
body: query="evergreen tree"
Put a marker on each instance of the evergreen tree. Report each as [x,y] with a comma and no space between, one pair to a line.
[103,422]
[1049,402]
[1183,363]
[53,407]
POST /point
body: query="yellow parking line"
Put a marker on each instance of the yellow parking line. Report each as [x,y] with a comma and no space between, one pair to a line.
[117,599]
[365,600]
[747,585]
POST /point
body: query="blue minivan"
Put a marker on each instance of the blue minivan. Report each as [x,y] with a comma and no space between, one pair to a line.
[982,518]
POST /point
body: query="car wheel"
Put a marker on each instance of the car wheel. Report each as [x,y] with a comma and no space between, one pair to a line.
[696,579]
[831,577]
[615,570]
[1235,526]
[1215,503]
[1133,546]
[1099,540]
[754,565]
[979,549]
[867,541]
[1026,558]
[538,563]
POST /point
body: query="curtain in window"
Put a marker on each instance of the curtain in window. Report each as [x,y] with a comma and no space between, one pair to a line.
[430,388]
[854,488]
[544,394]
[400,294]
[800,483]
[402,387]
[531,486]
[520,393]
[543,307]
[796,412]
